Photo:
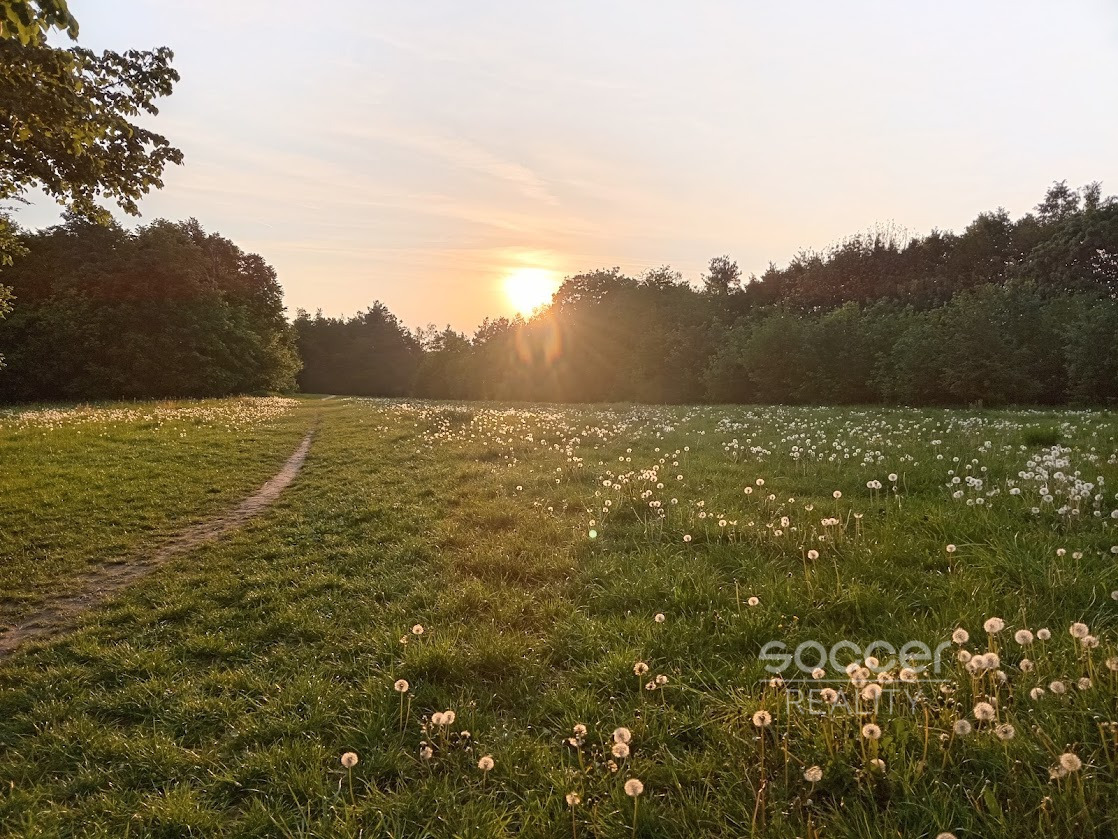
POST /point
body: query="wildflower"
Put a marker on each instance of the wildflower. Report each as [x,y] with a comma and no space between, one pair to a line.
[1112,664]
[1026,666]
[1036,693]
[818,673]
[401,686]
[960,636]
[349,760]
[486,763]
[418,629]
[762,719]
[813,774]
[1023,637]
[620,751]
[1078,630]
[580,731]
[573,799]
[945,835]
[686,537]
[963,656]
[640,668]
[963,727]
[661,679]
[1070,762]
[907,674]
[837,494]
[994,625]
[448,717]
[951,549]
[437,718]
[1043,634]
[1005,732]
[753,601]
[426,752]
[878,764]
[1058,688]
[633,787]
[829,695]
[813,554]
[871,693]
[659,618]
[871,731]
[1089,642]
[984,712]
[1083,684]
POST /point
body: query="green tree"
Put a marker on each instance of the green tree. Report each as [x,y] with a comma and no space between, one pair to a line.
[66,119]
[722,277]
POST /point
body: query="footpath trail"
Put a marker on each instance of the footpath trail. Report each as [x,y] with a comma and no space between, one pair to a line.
[95,587]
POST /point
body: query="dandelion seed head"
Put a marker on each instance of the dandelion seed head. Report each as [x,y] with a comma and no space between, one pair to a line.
[401,686]
[813,774]
[993,625]
[633,787]
[871,731]
[1070,762]
[349,760]
[485,763]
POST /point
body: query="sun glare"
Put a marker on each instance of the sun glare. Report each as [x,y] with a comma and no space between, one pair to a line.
[529,288]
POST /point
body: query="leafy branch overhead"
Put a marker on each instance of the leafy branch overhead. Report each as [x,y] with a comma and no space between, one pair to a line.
[28,21]
[66,125]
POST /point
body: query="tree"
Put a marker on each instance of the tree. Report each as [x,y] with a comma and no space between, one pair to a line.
[166,311]
[722,277]
[65,119]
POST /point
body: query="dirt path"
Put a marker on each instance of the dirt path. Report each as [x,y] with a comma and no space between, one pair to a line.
[98,585]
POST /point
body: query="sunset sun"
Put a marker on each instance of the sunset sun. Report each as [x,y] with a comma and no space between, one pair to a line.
[529,288]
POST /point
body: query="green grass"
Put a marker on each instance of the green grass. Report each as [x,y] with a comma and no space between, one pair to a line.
[95,484]
[216,697]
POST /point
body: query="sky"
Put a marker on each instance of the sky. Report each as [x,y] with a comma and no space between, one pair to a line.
[419,153]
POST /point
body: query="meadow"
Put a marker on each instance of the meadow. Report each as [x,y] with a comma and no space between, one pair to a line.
[476,620]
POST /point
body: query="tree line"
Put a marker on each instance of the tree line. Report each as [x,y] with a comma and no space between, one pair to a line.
[1009,311]
[168,310]
[1022,311]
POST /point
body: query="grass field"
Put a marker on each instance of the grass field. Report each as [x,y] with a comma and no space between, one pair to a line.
[522,567]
